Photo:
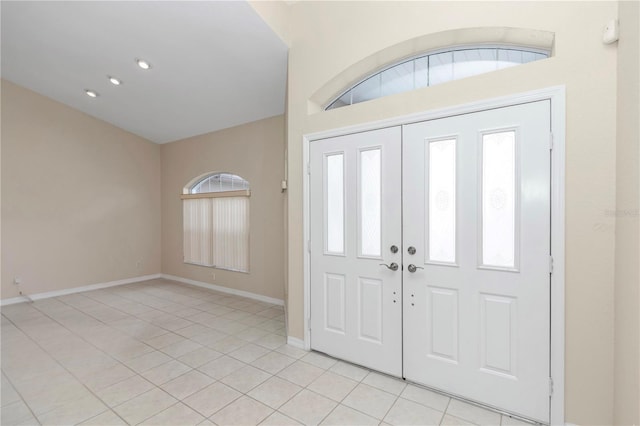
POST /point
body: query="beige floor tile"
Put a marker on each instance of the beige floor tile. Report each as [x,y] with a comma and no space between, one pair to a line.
[192,330]
[108,418]
[301,373]
[212,398]
[187,384]
[165,372]
[14,413]
[249,352]
[55,396]
[405,412]
[370,400]
[271,341]
[279,419]
[319,360]
[147,361]
[107,377]
[243,411]
[350,371]
[291,351]
[164,340]
[125,390]
[472,414]
[176,350]
[333,386]
[343,415]
[251,334]
[273,362]
[448,420]
[425,397]
[385,383]
[199,357]
[308,407]
[178,414]
[144,406]
[221,367]
[8,394]
[228,344]
[73,412]
[210,338]
[245,379]
[274,392]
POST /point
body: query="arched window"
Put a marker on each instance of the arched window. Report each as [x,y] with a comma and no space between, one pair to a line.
[434,68]
[216,221]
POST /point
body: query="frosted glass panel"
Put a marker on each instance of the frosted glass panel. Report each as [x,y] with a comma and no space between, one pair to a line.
[370,197]
[498,199]
[442,201]
[335,204]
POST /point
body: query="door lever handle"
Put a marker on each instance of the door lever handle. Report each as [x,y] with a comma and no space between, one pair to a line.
[393,266]
[412,268]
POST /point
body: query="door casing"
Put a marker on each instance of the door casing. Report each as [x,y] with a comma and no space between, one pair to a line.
[556,95]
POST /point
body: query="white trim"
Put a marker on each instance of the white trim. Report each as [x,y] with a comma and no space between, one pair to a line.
[556,95]
[297,343]
[64,292]
[223,289]
[306,223]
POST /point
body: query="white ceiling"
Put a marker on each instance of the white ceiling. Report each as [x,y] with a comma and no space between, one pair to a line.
[215,64]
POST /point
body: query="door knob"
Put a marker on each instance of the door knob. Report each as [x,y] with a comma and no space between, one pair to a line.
[393,266]
[412,268]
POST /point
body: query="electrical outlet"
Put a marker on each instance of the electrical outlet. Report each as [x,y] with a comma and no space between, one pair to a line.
[17,280]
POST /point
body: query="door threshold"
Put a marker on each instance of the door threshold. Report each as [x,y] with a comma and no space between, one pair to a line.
[441,392]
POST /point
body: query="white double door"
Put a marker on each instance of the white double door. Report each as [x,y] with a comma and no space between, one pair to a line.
[465,200]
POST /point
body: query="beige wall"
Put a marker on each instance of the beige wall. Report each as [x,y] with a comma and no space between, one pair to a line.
[328,37]
[254,151]
[627,296]
[80,197]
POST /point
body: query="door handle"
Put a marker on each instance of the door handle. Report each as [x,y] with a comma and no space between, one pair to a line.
[412,268]
[393,266]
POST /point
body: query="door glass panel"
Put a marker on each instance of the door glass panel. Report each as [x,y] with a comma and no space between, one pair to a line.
[335,204]
[370,197]
[442,201]
[499,199]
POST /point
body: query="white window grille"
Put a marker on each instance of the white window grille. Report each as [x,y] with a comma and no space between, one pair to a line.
[435,68]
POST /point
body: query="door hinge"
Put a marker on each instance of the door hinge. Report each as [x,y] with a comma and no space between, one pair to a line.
[551,264]
[550,141]
[309,168]
[550,386]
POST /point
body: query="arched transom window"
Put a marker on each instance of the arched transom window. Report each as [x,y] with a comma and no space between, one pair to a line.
[434,68]
[216,222]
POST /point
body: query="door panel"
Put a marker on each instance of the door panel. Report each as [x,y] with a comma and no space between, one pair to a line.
[476,194]
[355,218]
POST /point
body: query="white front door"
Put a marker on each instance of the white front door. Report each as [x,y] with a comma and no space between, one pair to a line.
[355,216]
[476,226]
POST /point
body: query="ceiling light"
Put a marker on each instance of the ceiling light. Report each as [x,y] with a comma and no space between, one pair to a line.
[143,64]
[91,93]
[115,81]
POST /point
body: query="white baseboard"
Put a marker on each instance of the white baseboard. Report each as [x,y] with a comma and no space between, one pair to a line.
[56,293]
[228,290]
[294,341]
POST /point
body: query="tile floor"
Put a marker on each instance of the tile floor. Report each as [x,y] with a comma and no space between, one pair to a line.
[165,353]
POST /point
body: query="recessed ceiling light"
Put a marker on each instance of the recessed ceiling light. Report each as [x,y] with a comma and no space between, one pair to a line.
[143,64]
[114,81]
[91,93]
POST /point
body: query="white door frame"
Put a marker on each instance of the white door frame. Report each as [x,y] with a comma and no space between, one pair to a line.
[556,95]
